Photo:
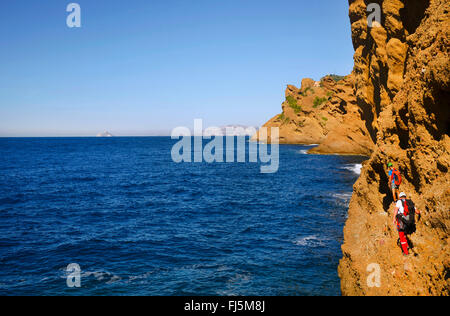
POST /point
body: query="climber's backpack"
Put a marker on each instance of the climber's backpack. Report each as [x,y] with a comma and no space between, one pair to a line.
[407,220]
[397,177]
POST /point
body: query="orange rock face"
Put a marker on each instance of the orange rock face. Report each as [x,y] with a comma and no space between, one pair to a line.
[402,86]
[394,107]
[325,113]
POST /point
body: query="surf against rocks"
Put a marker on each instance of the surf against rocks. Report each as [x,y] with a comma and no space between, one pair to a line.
[234,151]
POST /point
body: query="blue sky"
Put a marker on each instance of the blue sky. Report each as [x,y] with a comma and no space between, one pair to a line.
[143,67]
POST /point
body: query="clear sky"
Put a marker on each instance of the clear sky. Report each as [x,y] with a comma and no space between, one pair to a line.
[143,67]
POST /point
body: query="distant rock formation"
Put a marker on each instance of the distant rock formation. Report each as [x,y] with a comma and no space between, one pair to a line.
[323,112]
[105,134]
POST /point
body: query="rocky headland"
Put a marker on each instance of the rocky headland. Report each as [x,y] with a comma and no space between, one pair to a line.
[323,112]
[393,107]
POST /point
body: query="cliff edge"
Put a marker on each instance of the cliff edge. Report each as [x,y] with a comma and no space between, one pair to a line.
[394,107]
[402,86]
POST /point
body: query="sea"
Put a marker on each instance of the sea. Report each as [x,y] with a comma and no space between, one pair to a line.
[133,222]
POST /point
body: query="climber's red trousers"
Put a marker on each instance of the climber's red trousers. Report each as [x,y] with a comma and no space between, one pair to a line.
[403,241]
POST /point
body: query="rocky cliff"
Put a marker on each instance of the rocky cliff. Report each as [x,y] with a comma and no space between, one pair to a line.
[394,107]
[323,112]
[402,87]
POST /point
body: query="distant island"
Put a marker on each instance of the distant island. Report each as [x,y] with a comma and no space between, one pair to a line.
[105,134]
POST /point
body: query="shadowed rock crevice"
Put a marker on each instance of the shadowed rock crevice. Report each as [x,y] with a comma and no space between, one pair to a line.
[414,178]
[383,189]
[402,127]
[437,106]
[413,13]
[447,273]
[368,117]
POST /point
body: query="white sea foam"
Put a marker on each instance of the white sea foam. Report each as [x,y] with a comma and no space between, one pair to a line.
[356,168]
[343,199]
[102,276]
[234,283]
[343,196]
[310,241]
[305,151]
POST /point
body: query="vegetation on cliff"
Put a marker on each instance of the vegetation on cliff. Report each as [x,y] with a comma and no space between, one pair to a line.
[319,112]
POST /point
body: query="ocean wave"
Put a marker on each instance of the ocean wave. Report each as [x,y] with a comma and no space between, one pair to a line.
[240,277]
[235,283]
[102,276]
[343,199]
[343,196]
[9,200]
[309,241]
[171,229]
[303,151]
[356,168]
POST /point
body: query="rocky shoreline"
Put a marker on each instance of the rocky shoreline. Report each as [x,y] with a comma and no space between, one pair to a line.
[403,83]
[393,107]
[324,113]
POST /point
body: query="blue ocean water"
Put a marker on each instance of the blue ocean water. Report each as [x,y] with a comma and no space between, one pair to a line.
[139,224]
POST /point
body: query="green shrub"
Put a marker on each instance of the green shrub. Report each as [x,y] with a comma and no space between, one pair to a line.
[305,93]
[319,101]
[293,104]
[324,121]
[336,78]
[284,120]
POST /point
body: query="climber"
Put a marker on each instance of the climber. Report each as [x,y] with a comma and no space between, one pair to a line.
[395,180]
[405,220]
